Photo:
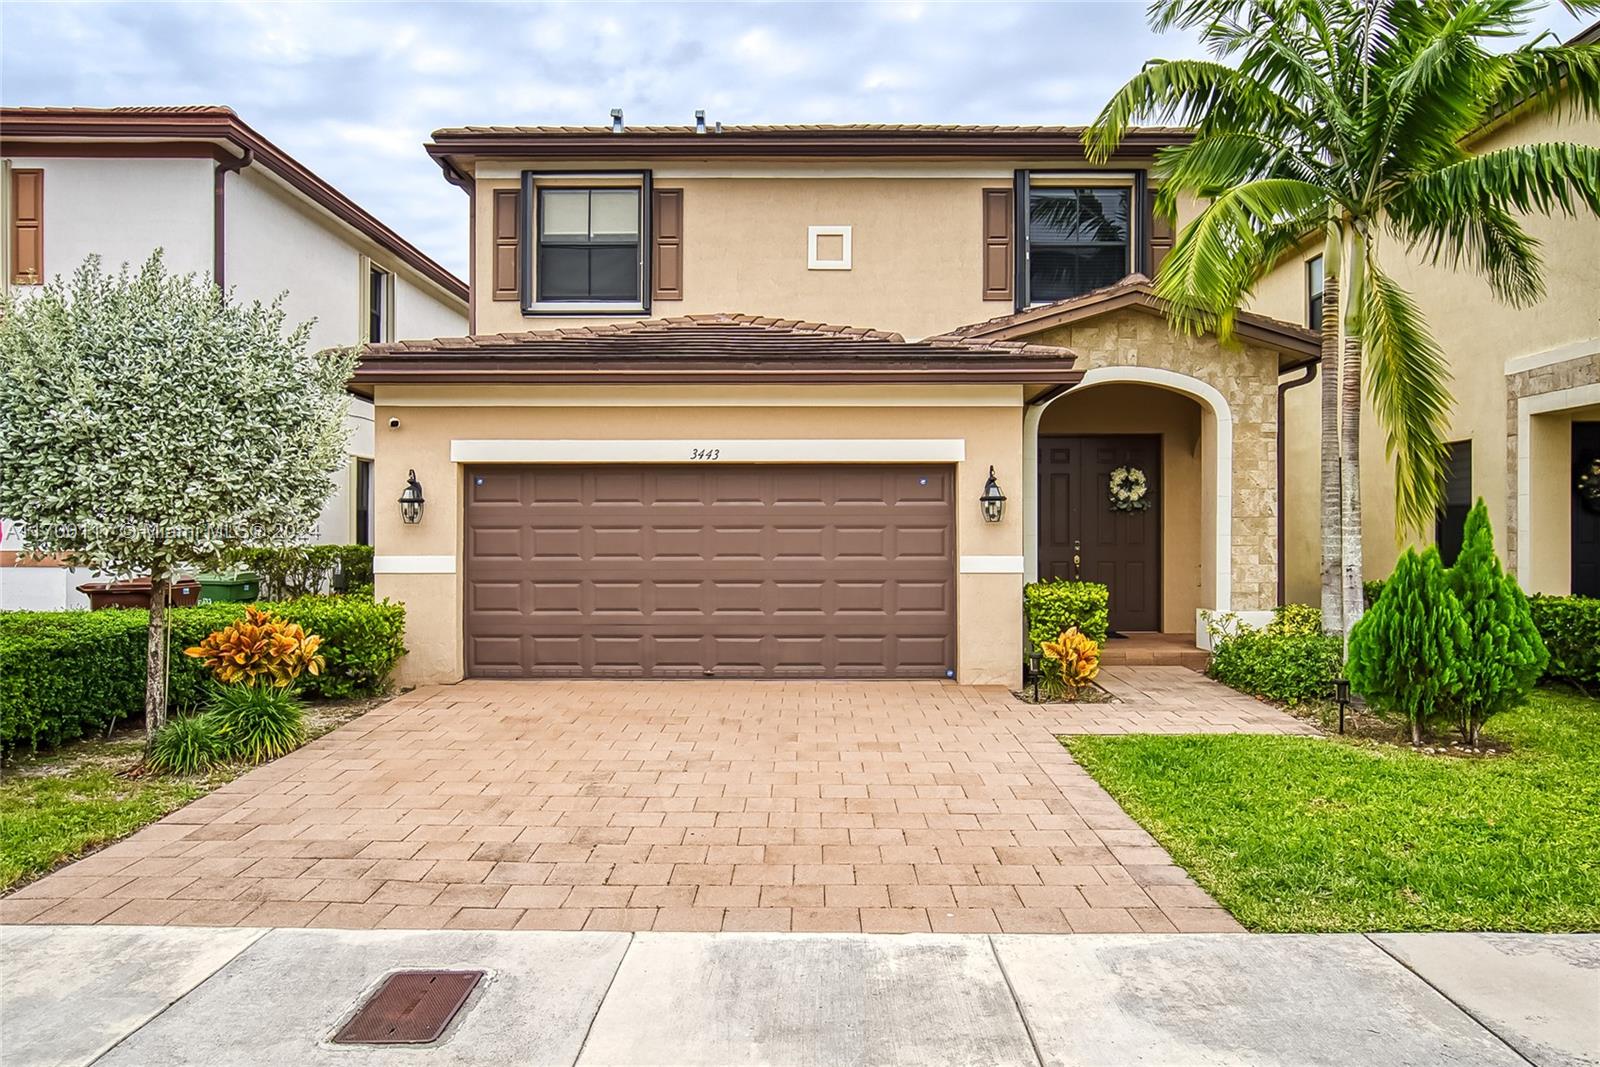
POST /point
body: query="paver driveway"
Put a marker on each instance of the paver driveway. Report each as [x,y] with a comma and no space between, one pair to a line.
[875,806]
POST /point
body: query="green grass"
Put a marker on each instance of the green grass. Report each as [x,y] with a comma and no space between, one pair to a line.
[1309,834]
[57,806]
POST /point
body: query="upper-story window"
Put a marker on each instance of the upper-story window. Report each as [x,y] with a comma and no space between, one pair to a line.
[1314,293]
[1079,238]
[379,299]
[589,250]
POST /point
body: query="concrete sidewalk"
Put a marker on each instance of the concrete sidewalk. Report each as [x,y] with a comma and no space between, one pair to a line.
[164,995]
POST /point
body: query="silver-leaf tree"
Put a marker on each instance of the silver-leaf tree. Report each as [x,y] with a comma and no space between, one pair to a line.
[150,423]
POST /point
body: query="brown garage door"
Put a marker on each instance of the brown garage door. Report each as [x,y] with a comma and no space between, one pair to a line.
[726,571]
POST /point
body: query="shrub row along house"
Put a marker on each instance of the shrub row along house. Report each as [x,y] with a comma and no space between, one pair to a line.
[219,199]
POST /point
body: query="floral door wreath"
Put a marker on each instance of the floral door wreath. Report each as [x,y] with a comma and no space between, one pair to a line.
[1130,490]
[1588,485]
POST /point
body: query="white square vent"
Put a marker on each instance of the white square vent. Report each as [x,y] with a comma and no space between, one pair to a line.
[828,248]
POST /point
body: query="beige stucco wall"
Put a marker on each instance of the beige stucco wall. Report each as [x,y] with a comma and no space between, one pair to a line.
[1117,408]
[1246,377]
[915,234]
[988,419]
[1480,337]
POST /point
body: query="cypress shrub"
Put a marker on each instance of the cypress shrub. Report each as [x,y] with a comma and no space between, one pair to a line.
[1503,655]
[1404,653]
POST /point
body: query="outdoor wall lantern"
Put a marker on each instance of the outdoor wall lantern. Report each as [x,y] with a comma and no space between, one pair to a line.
[411,500]
[993,501]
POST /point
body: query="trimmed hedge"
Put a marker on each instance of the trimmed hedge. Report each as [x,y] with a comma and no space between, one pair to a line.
[1292,668]
[67,674]
[306,570]
[1056,606]
[1570,627]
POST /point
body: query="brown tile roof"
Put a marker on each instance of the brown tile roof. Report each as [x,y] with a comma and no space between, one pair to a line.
[782,129]
[901,141]
[222,125]
[1137,292]
[712,348]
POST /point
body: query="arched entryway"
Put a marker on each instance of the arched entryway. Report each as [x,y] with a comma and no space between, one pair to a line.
[1172,561]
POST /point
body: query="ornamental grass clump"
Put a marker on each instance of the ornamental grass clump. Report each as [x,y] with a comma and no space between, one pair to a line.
[1069,663]
[188,744]
[256,662]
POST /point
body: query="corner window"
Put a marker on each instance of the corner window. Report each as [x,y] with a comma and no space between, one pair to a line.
[1452,519]
[379,289]
[1314,293]
[588,246]
[1078,239]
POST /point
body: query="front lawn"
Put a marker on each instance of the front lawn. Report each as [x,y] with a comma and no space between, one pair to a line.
[1310,834]
[60,805]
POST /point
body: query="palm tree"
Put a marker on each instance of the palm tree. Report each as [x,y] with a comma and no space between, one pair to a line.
[1348,117]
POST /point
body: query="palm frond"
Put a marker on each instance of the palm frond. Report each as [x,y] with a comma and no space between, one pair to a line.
[1564,78]
[1408,382]
[1530,178]
[1490,239]
[1185,91]
[1218,257]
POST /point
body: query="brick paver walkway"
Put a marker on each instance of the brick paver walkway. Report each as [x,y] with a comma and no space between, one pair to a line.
[669,806]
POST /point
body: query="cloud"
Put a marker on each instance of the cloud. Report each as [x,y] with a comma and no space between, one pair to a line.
[352,90]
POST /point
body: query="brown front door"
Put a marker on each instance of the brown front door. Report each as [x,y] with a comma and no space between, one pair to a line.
[711,570]
[1081,536]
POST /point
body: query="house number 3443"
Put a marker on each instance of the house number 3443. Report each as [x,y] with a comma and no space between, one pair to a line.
[705,453]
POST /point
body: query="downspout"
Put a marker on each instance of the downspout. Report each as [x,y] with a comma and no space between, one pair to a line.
[461,181]
[219,244]
[1309,375]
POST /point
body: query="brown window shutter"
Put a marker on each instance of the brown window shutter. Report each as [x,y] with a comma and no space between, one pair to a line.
[1160,236]
[507,231]
[997,252]
[27,227]
[666,251]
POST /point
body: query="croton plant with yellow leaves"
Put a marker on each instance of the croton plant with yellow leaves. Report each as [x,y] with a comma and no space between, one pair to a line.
[260,649]
[1069,663]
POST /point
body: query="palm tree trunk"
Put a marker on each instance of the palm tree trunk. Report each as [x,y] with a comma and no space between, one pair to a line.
[1332,549]
[1350,484]
[155,662]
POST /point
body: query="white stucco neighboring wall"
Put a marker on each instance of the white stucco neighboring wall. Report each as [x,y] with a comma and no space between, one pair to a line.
[275,242]
[421,314]
[124,209]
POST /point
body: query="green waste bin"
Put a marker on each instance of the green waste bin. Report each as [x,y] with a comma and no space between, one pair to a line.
[241,588]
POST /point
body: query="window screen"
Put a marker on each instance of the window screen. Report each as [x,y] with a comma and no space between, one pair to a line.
[1457,501]
[1314,293]
[588,245]
[1077,240]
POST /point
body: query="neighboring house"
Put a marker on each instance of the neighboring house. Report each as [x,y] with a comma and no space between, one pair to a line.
[219,199]
[1526,382]
[656,458]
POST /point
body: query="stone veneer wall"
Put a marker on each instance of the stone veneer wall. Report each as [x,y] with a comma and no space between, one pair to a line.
[1569,374]
[1247,376]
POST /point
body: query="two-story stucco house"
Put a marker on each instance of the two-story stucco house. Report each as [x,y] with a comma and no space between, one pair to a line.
[1526,382]
[219,199]
[733,399]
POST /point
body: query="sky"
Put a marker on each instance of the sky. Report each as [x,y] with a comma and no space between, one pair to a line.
[353,90]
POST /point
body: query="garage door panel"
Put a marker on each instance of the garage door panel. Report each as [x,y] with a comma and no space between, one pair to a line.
[733,571]
[555,598]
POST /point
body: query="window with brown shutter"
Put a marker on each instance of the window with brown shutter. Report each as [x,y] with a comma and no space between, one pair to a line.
[997,247]
[666,264]
[507,229]
[27,227]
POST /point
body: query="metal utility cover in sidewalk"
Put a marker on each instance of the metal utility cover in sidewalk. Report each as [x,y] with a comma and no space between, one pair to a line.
[409,1008]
